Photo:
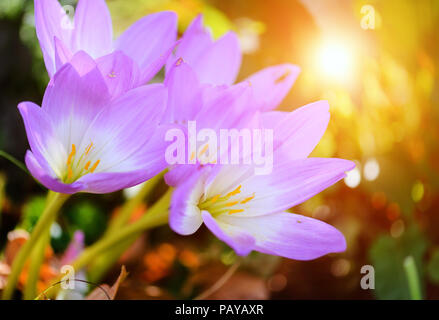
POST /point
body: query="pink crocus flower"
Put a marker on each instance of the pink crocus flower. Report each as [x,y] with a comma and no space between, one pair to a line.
[148,42]
[248,211]
[218,63]
[82,140]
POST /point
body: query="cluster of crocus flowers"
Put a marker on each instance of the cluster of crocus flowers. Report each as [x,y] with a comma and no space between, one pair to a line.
[101,128]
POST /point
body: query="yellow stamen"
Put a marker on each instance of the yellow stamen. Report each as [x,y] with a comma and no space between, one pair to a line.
[112,75]
[69,172]
[204,149]
[192,155]
[247,199]
[214,199]
[92,169]
[236,211]
[236,191]
[231,204]
[71,155]
[87,150]
[87,165]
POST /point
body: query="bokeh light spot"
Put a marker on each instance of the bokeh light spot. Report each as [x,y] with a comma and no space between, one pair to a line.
[153,291]
[371,169]
[353,178]
[397,228]
[340,267]
[417,191]
[321,212]
[277,282]
[55,230]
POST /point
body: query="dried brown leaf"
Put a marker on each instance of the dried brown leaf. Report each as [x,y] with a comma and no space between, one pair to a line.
[103,292]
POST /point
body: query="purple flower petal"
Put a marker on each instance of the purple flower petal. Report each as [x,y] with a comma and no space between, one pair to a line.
[289,235]
[62,54]
[149,38]
[297,133]
[47,151]
[221,62]
[225,107]
[185,216]
[292,182]
[184,101]
[83,63]
[236,237]
[39,129]
[72,101]
[126,126]
[214,62]
[133,144]
[151,156]
[41,173]
[106,182]
[195,41]
[120,72]
[180,173]
[151,70]
[271,85]
[51,21]
[93,31]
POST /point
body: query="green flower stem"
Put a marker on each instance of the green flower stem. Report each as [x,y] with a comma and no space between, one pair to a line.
[105,261]
[128,208]
[98,269]
[156,216]
[36,260]
[413,278]
[53,204]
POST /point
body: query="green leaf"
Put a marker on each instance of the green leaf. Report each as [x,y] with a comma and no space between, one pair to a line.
[388,254]
[12,159]
[433,267]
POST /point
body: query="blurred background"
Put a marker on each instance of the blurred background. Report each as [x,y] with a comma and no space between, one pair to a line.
[375,61]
